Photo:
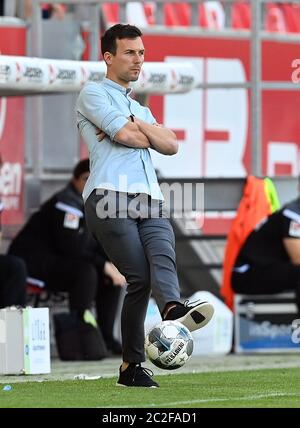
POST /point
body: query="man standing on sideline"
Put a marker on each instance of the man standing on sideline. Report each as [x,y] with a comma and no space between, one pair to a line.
[119,133]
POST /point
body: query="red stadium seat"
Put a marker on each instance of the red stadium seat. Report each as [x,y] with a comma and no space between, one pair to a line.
[279,18]
[34,288]
[111,13]
[202,17]
[212,15]
[275,20]
[149,9]
[38,294]
[171,18]
[241,16]
[183,11]
[178,14]
[292,17]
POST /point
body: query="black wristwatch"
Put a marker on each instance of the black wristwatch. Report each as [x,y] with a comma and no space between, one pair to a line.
[132,117]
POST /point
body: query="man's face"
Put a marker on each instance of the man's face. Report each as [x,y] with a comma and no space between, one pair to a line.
[125,65]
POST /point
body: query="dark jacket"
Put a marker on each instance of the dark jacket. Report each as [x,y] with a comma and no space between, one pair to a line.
[57,229]
[265,245]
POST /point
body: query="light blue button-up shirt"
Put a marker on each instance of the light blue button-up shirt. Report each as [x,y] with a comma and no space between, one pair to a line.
[107,105]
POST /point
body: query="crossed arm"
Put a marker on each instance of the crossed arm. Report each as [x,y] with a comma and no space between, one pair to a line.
[140,134]
[161,139]
[96,107]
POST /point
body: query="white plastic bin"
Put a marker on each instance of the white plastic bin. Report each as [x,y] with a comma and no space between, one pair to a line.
[24,341]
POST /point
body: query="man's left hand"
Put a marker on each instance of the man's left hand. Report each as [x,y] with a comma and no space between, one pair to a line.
[100,134]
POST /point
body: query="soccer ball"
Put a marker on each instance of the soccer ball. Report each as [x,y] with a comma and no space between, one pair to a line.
[169,345]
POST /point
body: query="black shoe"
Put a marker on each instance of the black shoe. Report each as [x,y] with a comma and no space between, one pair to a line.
[192,317]
[136,375]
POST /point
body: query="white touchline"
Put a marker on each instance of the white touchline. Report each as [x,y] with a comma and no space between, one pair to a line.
[250,397]
[209,400]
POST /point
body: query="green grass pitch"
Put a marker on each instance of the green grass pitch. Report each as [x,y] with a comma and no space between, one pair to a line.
[248,388]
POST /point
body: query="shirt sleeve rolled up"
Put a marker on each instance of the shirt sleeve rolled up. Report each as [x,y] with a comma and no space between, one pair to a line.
[96,107]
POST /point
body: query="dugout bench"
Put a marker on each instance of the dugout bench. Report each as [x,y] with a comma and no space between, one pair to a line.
[263,323]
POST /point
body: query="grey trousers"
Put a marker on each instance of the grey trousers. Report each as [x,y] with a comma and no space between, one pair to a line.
[143,250]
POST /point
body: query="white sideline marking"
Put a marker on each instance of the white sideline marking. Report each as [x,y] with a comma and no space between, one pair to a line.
[250,397]
[209,400]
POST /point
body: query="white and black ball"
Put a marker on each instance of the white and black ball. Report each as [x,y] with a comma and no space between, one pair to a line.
[169,345]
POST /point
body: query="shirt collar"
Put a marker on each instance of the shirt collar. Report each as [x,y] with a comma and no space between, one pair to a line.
[115,85]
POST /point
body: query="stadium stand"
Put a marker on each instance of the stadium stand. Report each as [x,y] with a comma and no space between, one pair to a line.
[278,17]
[283,18]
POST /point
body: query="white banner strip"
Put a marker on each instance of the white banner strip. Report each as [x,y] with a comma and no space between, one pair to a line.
[24,75]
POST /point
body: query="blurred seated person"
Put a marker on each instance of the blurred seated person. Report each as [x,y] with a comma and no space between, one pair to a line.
[12,276]
[12,281]
[59,250]
[53,11]
[48,10]
[269,260]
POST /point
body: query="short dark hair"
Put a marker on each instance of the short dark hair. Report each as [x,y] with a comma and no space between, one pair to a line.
[82,167]
[118,31]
